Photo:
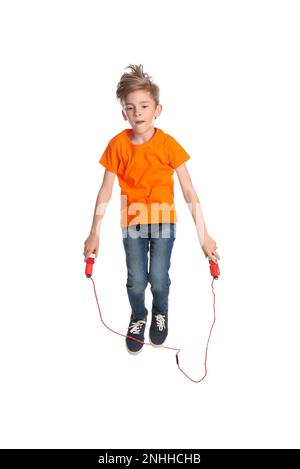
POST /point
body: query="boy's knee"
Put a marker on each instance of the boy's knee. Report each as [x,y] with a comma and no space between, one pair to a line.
[159,282]
[137,286]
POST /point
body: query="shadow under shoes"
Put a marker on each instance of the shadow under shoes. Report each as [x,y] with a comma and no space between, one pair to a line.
[158,329]
[136,330]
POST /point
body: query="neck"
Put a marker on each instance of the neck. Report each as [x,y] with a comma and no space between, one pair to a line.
[142,137]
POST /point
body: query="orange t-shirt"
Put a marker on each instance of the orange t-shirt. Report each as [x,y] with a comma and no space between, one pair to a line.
[145,174]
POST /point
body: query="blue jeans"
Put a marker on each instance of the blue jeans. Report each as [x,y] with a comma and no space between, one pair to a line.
[137,239]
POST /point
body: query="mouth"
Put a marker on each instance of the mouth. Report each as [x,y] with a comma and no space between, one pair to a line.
[139,122]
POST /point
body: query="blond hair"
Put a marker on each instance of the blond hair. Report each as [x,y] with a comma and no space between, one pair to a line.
[136,80]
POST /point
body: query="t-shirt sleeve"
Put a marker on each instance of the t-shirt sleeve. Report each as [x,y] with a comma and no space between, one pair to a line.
[177,154]
[110,159]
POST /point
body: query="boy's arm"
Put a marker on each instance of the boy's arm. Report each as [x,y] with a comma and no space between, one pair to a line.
[103,198]
[190,196]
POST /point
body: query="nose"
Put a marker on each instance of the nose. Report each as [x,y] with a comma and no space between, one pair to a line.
[137,112]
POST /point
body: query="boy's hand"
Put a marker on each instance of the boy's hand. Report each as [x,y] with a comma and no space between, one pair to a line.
[91,244]
[210,248]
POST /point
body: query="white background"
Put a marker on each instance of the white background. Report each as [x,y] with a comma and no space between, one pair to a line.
[229,78]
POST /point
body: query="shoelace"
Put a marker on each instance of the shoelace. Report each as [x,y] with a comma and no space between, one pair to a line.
[135,327]
[160,321]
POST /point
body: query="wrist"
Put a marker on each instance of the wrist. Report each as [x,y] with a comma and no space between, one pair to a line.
[203,235]
[94,232]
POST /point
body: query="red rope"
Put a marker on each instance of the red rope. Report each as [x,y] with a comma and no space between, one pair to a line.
[164,346]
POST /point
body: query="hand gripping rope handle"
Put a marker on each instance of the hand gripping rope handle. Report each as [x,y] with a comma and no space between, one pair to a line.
[215,272]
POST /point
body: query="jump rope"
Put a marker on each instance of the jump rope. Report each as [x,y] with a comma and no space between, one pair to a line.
[215,272]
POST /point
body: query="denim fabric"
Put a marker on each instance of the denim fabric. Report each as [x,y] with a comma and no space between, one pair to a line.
[137,239]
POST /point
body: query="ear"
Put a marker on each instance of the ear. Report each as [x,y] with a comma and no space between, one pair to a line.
[158,110]
[123,114]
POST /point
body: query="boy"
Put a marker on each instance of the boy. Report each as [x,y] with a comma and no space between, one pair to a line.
[144,159]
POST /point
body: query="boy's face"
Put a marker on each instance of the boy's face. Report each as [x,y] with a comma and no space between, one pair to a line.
[140,106]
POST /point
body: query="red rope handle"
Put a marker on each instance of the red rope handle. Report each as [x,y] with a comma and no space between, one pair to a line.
[164,346]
